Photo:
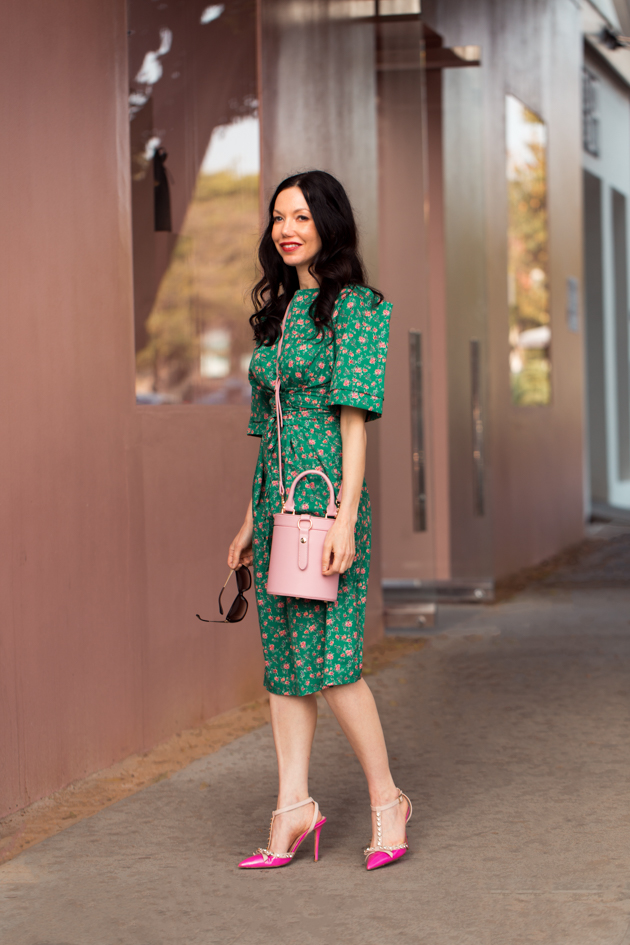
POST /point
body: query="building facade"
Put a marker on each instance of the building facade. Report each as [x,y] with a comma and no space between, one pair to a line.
[606,158]
[146,140]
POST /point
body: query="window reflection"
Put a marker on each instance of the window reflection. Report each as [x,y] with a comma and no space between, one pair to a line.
[528,256]
[195,174]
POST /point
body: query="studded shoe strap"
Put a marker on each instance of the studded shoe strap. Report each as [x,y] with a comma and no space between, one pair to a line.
[266,852]
[388,850]
[379,848]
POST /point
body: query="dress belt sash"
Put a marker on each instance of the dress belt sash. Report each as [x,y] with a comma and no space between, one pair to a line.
[290,402]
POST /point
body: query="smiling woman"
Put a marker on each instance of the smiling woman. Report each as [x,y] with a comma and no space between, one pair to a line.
[294,232]
[317,374]
[308,210]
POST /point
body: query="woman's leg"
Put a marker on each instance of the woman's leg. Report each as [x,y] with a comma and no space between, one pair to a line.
[293,720]
[356,712]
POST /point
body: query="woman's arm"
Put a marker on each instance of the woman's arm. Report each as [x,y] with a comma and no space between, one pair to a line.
[339,548]
[241,548]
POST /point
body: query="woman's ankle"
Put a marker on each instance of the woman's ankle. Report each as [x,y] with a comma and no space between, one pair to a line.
[287,798]
[383,794]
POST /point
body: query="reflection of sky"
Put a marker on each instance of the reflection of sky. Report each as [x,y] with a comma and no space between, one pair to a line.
[520,134]
[235,148]
[212,13]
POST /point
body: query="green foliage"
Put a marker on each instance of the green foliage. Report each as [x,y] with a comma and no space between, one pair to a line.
[211,267]
[528,264]
[531,387]
[225,184]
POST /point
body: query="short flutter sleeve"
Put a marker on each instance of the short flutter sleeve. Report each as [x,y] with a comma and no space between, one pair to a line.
[361,337]
[260,409]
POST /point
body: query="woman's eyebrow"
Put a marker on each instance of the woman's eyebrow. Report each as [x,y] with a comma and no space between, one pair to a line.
[299,210]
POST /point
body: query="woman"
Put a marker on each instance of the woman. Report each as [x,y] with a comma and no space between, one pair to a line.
[332,371]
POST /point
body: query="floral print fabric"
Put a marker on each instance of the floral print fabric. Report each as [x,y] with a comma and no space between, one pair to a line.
[308,644]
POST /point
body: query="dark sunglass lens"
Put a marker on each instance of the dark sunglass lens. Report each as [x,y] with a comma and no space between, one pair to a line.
[237,610]
[243,579]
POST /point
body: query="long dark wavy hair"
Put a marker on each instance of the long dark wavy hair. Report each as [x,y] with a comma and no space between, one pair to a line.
[338,263]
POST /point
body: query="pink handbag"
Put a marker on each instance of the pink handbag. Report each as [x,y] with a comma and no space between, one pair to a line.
[297,544]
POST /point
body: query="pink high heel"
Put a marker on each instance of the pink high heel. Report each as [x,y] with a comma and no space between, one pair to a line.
[379,855]
[265,859]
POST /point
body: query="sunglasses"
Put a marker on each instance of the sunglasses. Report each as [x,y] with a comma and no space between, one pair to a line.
[239,606]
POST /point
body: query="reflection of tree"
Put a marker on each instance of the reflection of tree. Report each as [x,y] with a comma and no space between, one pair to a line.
[531,387]
[528,270]
[205,286]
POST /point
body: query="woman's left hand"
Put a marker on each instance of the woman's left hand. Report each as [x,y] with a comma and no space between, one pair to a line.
[339,550]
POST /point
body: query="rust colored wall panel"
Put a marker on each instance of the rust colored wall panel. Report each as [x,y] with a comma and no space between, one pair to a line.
[534,454]
[467,315]
[197,473]
[438,361]
[319,104]
[66,390]
[115,520]
[407,554]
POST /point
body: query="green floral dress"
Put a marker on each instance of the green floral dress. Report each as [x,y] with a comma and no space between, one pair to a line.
[308,644]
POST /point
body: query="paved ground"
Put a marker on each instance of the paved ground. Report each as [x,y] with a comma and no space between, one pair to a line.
[510,731]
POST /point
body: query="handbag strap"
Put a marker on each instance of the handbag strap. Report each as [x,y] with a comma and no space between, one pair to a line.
[280,421]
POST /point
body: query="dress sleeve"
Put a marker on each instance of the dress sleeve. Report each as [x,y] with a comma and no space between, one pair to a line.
[361,338]
[260,410]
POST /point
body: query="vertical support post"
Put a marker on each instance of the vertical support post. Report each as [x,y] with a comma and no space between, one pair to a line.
[418,459]
[620,263]
[477,427]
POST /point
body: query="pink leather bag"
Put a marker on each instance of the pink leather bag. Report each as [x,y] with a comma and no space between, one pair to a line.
[297,544]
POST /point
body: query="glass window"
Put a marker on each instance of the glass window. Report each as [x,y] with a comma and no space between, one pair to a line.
[195,197]
[528,256]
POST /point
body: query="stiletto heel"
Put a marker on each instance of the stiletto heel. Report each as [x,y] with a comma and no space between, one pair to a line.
[265,859]
[318,830]
[380,855]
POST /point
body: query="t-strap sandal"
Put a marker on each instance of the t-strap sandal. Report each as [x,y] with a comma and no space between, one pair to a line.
[266,859]
[380,855]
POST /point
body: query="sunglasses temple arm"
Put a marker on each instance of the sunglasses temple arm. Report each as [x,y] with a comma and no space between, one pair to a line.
[223,588]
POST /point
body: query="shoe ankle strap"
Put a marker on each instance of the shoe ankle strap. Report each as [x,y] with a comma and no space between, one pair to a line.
[377,810]
[284,810]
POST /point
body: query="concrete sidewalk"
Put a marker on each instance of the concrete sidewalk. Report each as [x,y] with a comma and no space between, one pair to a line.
[510,730]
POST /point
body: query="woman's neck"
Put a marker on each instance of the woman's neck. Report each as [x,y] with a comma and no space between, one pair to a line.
[305,278]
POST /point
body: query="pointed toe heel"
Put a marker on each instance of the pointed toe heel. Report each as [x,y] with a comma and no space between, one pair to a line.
[380,855]
[266,859]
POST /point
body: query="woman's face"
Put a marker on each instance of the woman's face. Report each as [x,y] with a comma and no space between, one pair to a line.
[294,232]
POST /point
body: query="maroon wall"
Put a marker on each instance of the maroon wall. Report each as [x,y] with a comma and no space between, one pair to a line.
[114,520]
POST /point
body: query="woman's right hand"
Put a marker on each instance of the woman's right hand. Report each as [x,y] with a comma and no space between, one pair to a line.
[241,551]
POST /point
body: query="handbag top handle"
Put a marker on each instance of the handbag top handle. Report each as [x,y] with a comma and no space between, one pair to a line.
[331,511]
